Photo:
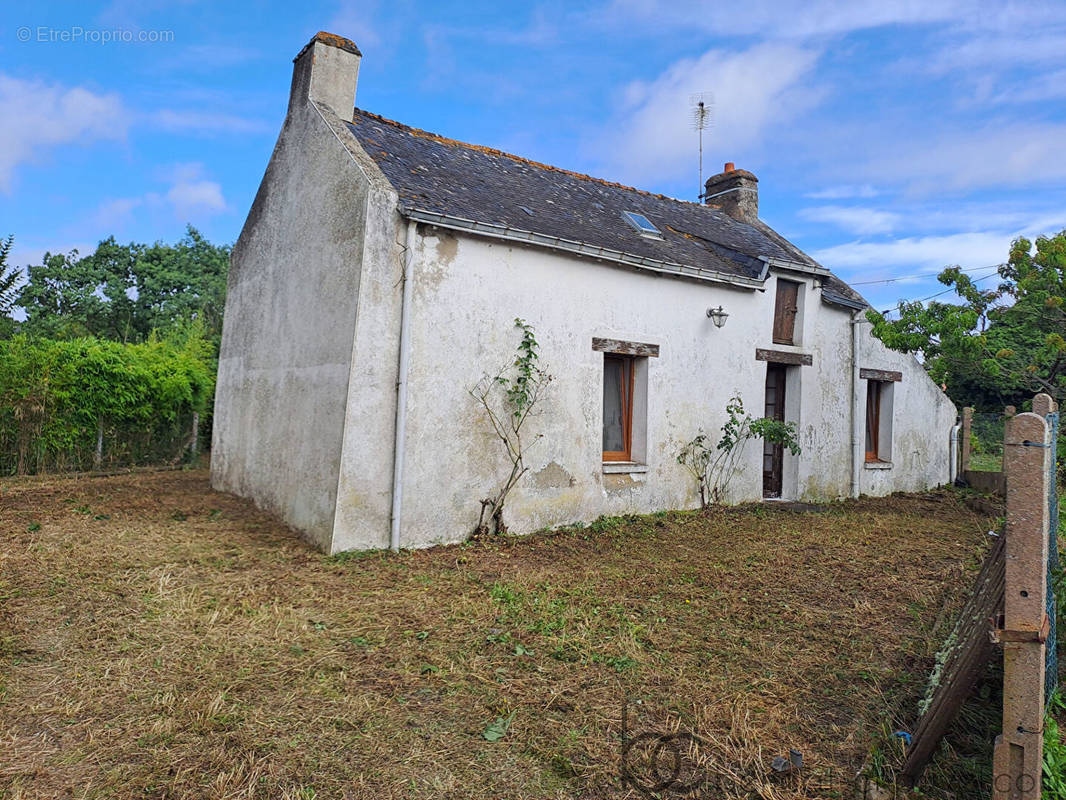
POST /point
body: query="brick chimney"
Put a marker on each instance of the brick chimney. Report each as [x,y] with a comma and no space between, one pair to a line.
[734,191]
[326,71]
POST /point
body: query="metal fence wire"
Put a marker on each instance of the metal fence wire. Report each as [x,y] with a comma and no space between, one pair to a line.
[986,441]
[1051,674]
[60,445]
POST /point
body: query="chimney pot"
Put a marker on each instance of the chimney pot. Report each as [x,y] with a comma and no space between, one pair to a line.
[735,192]
[326,71]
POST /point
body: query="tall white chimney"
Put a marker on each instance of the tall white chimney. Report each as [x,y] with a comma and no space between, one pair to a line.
[326,71]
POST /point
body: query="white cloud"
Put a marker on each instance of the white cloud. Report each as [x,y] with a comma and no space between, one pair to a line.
[192,195]
[926,252]
[652,137]
[113,215]
[1046,86]
[997,49]
[844,192]
[354,19]
[39,117]
[854,219]
[185,121]
[999,154]
[787,18]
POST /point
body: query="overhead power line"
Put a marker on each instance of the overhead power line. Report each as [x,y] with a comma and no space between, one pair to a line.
[992,274]
[921,275]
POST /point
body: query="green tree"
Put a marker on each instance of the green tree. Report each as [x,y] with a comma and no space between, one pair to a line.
[81,402]
[9,277]
[999,345]
[9,280]
[124,292]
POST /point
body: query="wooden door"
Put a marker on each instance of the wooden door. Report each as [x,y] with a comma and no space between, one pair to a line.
[773,454]
[786,308]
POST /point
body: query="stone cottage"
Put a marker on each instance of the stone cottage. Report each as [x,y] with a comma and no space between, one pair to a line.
[378,277]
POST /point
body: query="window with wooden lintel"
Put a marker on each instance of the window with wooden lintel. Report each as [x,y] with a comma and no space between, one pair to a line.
[786,309]
[625,402]
[879,421]
[618,380]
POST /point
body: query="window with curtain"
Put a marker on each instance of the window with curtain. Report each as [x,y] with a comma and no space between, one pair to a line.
[617,407]
[874,423]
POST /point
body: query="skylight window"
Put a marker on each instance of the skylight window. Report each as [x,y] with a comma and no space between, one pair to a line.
[642,224]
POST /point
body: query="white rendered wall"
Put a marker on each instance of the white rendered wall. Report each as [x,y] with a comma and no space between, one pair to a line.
[293,289]
[468,292]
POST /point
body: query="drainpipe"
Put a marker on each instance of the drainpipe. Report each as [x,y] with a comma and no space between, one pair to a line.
[953,450]
[401,385]
[856,462]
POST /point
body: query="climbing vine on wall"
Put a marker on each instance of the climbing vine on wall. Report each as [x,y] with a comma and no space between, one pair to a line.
[509,399]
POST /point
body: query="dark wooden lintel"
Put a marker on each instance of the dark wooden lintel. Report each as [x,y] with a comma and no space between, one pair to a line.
[783,357]
[625,348]
[880,375]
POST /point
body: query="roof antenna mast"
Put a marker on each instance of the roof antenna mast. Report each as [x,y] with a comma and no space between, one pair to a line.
[702,119]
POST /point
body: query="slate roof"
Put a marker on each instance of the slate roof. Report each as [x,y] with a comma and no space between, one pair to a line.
[435,174]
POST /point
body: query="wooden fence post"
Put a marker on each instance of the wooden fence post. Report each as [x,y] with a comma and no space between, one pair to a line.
[967,425]
[1018,757]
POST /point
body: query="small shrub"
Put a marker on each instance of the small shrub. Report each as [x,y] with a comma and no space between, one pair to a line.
[714,468]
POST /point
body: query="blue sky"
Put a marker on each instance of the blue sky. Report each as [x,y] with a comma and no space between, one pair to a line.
[890,138]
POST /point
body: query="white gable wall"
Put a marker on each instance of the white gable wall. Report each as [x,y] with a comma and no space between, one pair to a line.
[289,326]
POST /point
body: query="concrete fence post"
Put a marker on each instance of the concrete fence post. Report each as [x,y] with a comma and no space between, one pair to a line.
[967,426]
[194,443]
[1018,756]
[1046,407]
[98,454]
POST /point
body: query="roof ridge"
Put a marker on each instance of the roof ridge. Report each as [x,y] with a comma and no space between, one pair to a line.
[521,159]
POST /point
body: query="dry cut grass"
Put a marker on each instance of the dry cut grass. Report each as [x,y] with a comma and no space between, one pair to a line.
[158,639]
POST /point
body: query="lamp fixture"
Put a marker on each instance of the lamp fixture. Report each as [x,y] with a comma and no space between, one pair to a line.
[718,316]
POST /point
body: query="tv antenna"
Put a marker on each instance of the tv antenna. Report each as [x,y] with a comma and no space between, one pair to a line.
[702,119]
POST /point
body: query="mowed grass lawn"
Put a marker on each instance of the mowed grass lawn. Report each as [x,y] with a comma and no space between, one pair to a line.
[158,639]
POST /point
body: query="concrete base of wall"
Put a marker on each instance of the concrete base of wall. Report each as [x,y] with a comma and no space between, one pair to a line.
[988,482]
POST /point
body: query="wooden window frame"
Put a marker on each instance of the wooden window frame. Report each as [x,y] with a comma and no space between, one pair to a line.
[629,371]
[873,421]
[784,328]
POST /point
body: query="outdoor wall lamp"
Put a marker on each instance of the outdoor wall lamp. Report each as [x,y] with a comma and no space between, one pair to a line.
[718,316]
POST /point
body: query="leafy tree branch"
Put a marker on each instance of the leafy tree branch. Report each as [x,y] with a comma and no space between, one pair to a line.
[994,346]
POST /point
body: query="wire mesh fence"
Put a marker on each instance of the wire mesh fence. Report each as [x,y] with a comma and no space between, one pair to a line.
[986,441]
[55,446]
[81,404]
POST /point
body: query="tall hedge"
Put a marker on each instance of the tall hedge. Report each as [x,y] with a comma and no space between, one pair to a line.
[61,400]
